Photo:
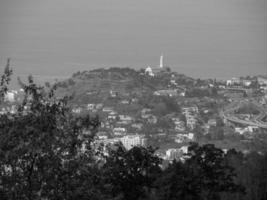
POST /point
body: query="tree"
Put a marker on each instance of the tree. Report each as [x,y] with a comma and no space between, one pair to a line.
[204,175]
[216,175]
[251,172]
[5,80]
[45,150]
[129,175]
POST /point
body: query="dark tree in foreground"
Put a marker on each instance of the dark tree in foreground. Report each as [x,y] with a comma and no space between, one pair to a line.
[45,151]
[204,175]
[129,175]
[251,172]
[5,80]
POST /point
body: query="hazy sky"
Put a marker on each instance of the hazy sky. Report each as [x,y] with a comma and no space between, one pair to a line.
[202,38]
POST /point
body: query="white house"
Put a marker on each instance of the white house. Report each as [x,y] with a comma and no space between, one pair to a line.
[130,141]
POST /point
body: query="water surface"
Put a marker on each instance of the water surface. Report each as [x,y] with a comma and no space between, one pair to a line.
[201,38]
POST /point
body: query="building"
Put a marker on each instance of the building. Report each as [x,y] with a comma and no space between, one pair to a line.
[180,138]
[125,101]
[125,118]
[173,154]
[108,109]
[170,93]
[179,125]
[149,71]
[188,110]
[10,96]
[137,126]
[233,81]
[130,141]
[191,121]
[262,81]
[119,131]
[157,70]
[152,119]
[99,106]
[212,122]
[90,106]
[248,129]
[77,110]
[246,83]
[145,111]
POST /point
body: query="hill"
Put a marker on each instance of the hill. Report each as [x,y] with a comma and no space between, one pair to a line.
[97,85]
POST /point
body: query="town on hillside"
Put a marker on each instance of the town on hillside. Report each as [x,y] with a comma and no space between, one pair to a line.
[158,107]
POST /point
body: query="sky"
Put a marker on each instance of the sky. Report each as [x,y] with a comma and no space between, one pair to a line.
[200,38]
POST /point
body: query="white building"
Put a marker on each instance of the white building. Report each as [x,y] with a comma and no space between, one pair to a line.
[90,106]
[149,71]
[189,110]
[233,81]
[10,96]
[108,109]
[119,131]
[247,83]
[262,81]
[173,154]
[130,141]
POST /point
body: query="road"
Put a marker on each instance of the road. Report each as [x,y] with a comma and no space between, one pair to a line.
[257,121]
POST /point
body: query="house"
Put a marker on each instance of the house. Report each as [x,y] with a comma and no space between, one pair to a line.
[184,149]
[173,154]
[152,119]
[246,83]
[145,110]
[77,110]
[173,82]
[170,93]
[119,131]
[138,126]
[10,96]
[112,117]
[90,106]
[205,128]
[249,129]
[99,106]
[212,122]
[130,141]
[125,118]
[113,93]
[108,109]
[262,81]
[120,122]
[125,101]
[102,135]
[191,122]
[233,81]
[264,88]
[188,110]
[180,138]
[179,125]
[134,100]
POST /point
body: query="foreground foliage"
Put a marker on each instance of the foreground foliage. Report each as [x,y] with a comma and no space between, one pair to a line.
[45,150]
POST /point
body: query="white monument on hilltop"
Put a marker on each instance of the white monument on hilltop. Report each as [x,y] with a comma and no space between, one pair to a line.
[156,70]
[161,61]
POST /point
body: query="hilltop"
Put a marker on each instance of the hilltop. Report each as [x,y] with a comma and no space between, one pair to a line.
[97,85]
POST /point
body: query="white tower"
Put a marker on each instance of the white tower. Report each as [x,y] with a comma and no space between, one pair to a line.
[161,61]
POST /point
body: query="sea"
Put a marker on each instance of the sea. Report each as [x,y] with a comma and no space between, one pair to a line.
[52,39]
